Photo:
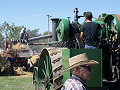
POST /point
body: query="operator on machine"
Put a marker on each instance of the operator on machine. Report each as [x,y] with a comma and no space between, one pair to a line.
[89,31]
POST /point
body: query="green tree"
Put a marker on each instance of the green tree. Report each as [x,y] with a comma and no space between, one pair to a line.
[46,33]
[33,33]
[1,40]
[12,32]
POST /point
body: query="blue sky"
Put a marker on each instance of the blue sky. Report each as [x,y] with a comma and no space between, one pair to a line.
[32,13]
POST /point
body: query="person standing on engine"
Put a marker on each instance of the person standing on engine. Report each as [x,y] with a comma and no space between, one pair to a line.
[89,31]
[23,34]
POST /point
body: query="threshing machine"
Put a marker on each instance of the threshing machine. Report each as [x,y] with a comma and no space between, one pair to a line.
[17,49]
[48,75]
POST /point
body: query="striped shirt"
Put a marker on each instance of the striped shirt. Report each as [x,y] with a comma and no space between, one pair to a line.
[74,83]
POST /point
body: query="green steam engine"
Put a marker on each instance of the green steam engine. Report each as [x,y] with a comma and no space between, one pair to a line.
[66,43]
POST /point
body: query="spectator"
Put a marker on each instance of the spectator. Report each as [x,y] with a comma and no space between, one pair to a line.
[81,68]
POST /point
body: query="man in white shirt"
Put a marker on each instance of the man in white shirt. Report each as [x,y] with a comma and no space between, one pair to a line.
[22,33]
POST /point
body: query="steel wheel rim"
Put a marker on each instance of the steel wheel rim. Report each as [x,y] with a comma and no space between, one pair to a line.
[45,70]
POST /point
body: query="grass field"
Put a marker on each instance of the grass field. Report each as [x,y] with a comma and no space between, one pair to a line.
[16,83]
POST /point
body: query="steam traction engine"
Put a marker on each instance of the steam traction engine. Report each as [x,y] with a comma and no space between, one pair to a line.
[66,43]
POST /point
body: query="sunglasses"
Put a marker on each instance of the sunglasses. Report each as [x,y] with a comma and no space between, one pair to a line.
[86,67]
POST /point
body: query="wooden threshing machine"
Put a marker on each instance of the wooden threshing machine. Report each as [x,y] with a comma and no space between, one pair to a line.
[67,43]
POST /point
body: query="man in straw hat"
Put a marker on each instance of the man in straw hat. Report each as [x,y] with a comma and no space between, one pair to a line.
[81,69]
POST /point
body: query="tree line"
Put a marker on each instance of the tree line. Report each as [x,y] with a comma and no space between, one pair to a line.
[12,31]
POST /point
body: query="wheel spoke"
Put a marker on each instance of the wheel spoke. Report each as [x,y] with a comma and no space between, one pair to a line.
[47,67]
[41,86]
[51,86]
[44,72]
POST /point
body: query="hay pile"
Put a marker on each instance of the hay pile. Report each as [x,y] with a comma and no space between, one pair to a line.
[19,70]
[4,55]
[33,60]
[19,46]
[20,73]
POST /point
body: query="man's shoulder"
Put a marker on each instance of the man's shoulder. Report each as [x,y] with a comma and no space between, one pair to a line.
[95,23]
[72,83]
[88,23]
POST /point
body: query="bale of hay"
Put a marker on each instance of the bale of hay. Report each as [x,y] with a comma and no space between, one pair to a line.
[33,60]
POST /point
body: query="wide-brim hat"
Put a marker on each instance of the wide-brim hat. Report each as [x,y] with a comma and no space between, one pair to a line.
[80,59]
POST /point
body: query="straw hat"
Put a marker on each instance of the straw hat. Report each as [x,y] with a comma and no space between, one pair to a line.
[80,59]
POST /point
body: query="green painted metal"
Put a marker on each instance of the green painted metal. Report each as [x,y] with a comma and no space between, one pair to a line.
[35,77]
[113,26]
[96,54]
[100,22]
[45,71]
[101,31]
[66,54]
[63,30]
[113,23]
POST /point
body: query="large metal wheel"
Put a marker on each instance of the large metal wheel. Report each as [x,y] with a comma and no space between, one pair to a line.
[113,27]
[45,71]
[49,76]
[76,42]
[35,77]
[63,30]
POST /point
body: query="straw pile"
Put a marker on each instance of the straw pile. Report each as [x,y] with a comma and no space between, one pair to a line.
[33,60]
[3,55]
[19,46]
[19,70]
